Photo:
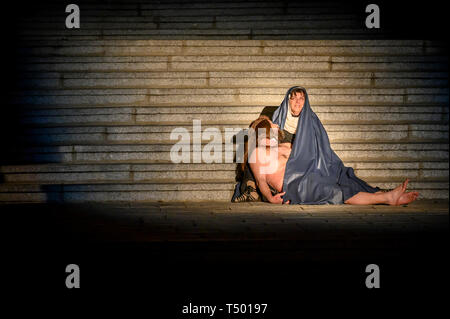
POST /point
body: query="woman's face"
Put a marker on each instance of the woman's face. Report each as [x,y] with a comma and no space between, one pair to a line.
[296,103]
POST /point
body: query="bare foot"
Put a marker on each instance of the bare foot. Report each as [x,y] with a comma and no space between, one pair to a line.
[407,198]
[396,193]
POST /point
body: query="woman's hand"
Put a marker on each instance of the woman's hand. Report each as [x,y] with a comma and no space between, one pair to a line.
[277,199]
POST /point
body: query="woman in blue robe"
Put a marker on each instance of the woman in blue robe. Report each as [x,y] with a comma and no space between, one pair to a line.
[314,174]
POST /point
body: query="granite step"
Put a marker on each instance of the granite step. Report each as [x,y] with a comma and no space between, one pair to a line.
[337,114]
[163,190]
[162,131]
[82,173]
[226,96]
[162,150]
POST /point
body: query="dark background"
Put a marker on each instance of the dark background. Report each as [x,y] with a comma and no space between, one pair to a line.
[159,279]
[314,274]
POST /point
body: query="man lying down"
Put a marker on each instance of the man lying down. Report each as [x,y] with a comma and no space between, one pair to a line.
[303,169]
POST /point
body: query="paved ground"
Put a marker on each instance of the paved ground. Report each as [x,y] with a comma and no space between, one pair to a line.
[216,249]
[306,232]
[219,221]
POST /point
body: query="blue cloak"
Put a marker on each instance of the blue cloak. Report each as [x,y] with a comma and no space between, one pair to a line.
[314,173]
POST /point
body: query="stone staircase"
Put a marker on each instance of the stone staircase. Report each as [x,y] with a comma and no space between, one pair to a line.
[95,107]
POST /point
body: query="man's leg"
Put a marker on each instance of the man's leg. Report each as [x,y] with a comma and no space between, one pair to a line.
[248,188]
[397,196]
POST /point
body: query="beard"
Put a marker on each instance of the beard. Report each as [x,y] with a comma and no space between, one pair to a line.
[281,135]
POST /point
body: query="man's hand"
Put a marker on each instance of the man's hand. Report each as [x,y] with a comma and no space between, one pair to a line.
[277,199]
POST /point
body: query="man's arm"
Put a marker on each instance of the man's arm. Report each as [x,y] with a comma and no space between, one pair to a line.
[261,183]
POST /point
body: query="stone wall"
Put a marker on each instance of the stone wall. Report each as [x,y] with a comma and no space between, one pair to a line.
[92,109]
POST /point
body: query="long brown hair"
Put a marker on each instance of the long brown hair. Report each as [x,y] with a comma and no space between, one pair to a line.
[261,122]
